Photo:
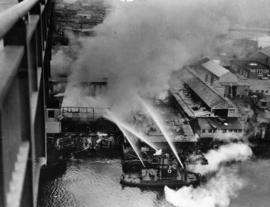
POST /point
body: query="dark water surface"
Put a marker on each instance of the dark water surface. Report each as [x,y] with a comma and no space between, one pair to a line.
[95,183]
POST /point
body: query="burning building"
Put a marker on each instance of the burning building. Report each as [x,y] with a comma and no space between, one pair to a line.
[76,124]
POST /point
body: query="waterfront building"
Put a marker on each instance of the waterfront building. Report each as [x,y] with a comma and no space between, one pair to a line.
[221,79]
[211,115]
[252,69]
[262,56]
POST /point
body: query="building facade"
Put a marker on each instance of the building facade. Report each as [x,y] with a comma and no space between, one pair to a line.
[251,69]
[221,79]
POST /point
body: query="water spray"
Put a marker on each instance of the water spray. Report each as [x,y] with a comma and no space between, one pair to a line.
[125,126]
[129,138]
[160,125]
[126,133]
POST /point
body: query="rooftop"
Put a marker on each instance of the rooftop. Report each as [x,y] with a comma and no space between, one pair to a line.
[265,51]
[216,69]
[206,93]
[173,121]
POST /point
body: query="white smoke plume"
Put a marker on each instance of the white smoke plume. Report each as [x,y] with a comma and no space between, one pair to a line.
[60,63]
[226,153]
[221,188]
[141,42]
[218,192]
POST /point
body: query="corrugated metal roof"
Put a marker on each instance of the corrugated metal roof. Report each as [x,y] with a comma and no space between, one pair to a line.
[265,51]
[183,104]
[215,68]
[207,94]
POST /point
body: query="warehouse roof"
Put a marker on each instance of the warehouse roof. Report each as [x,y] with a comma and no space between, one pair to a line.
[207,94]
[265,51]
[215,68]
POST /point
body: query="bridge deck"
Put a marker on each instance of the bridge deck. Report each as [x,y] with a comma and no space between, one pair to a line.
[25,38]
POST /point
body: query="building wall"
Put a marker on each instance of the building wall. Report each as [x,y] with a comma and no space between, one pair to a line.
[53,127]
[258,72]
[206,76]
[262,58]
[238,91]
[221,89]
[221,134]
[252,73]
[263,89]
[242,91]
[264,104]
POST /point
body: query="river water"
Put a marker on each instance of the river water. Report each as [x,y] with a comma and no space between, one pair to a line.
[95,183]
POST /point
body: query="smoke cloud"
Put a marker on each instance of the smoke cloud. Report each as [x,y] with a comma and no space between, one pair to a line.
[249,181]
[217,192]
[60,63]
[141,42]
[221,188]
[231,152]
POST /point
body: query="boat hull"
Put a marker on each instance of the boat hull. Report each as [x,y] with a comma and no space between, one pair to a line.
[159,184]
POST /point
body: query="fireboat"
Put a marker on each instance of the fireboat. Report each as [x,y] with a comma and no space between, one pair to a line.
[155,170]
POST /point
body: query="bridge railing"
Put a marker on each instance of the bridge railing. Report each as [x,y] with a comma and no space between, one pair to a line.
[25,40]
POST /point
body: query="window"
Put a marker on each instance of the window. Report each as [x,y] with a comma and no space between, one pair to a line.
[224,130]
[206,77]
[210,130]
[266,91]
[203,130]
[259,71]
[51,113]
[212,80]
[263,104]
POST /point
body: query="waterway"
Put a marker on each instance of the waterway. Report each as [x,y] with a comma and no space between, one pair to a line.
[95,183]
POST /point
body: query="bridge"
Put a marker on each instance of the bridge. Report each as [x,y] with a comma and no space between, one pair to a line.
[25,53]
